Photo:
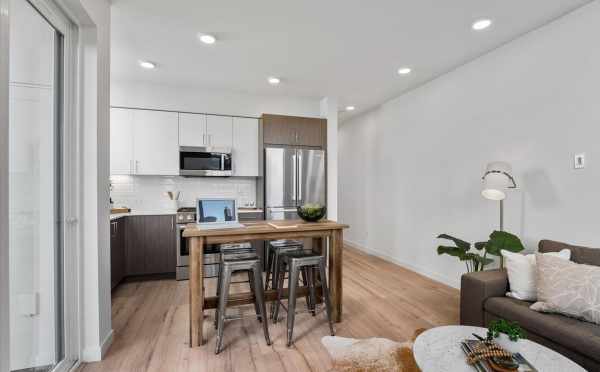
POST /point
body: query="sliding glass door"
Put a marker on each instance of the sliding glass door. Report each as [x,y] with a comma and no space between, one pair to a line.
[39,297]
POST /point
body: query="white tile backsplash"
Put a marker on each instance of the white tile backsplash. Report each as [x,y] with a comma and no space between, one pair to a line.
[149,192]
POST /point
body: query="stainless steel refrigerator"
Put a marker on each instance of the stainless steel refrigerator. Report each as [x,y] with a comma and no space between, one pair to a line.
[293,177]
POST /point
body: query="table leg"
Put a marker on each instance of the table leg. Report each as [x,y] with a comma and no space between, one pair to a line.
[336,242]
[196,284]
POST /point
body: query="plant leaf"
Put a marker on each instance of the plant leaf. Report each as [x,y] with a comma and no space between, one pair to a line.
[482,261]
[480,245]
[452,251]
[465,246]
[503,240]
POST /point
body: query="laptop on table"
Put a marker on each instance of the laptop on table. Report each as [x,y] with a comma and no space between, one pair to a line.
[217,214]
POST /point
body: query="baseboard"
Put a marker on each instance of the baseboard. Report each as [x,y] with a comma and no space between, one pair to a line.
[97,353]
[452,282]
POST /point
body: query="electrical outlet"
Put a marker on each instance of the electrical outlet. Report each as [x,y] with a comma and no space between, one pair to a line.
[579,161]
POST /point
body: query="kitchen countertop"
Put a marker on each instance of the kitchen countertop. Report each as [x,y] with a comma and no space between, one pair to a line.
[169,212]
[143,213]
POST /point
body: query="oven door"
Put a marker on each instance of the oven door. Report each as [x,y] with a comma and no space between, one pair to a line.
[183,253]
[205,161]
[211,251]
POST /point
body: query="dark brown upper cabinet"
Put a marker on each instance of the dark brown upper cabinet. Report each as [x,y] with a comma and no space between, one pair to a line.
[294,131]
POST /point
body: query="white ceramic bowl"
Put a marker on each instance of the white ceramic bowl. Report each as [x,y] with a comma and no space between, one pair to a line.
[511,346]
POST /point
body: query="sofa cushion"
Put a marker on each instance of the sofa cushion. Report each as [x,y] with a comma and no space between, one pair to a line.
[581,255]
[568,332]
[567,288]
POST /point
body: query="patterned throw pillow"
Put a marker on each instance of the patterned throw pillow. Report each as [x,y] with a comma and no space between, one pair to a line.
[568,288]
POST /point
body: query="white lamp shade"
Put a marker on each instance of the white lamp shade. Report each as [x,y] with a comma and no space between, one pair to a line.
[495,183]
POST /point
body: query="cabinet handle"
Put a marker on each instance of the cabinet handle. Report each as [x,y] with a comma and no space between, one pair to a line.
[172,223]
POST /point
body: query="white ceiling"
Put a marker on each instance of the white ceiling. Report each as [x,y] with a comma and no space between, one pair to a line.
[345,48]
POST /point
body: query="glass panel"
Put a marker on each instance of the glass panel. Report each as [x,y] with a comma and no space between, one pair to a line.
[36,315]
[216,210]
[200,161]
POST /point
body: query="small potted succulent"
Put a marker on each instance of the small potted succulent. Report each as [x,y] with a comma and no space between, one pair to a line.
[508,335]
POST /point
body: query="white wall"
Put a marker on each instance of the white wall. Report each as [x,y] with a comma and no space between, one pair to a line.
[411,169]
[178,98]
[329,110]
[95,290]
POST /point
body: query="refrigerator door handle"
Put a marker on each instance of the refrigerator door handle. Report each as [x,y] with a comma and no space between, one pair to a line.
[294,178]
[300,179]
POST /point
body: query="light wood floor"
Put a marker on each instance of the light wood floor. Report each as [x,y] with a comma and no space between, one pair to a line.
[150,323]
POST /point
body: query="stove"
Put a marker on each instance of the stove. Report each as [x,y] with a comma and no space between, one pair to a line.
[185,215]
[212,252]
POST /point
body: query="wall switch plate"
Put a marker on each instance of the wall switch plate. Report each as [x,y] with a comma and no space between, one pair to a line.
[579,161]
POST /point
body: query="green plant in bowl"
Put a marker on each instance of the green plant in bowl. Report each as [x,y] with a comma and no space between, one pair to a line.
[312,212]
[508,335]
[511,329]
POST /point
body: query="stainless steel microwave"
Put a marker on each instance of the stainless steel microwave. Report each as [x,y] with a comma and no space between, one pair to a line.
[205,161]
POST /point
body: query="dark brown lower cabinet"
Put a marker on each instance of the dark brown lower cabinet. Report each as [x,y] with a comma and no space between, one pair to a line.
[117,251]
[150,245]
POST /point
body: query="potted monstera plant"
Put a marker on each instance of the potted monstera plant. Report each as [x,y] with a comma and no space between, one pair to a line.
[478,259]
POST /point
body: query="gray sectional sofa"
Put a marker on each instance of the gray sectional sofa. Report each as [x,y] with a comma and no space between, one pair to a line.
[482,299]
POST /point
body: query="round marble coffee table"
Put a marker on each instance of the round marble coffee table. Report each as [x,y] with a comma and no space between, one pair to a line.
[438,349]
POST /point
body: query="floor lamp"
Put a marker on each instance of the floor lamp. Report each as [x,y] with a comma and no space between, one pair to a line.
[496,179]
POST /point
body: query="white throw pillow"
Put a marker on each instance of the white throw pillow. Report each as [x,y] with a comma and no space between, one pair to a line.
[568,288]
[521,271]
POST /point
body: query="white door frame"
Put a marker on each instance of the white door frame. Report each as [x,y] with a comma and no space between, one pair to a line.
[66,25]
[4,264]
[70,174]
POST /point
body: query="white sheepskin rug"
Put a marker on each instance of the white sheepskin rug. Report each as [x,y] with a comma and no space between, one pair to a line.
[370,355]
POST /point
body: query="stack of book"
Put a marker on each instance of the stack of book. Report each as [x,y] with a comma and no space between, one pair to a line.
[468,346]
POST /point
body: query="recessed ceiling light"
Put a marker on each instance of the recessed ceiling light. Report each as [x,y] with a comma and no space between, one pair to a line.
[147,65]
[274,80]
[350,108]
[207,39]
[481,24]
[404,71]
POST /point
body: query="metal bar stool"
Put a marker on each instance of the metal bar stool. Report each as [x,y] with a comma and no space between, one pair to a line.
[276,247]
[236,251]
[295,262]
[229,266]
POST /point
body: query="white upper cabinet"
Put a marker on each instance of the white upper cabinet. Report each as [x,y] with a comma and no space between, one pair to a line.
[146,142]
[121,141]
[192,130]
[156,142]
[219,131]
[245,147]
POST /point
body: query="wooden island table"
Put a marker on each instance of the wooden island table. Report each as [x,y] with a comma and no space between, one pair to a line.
[320,232]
